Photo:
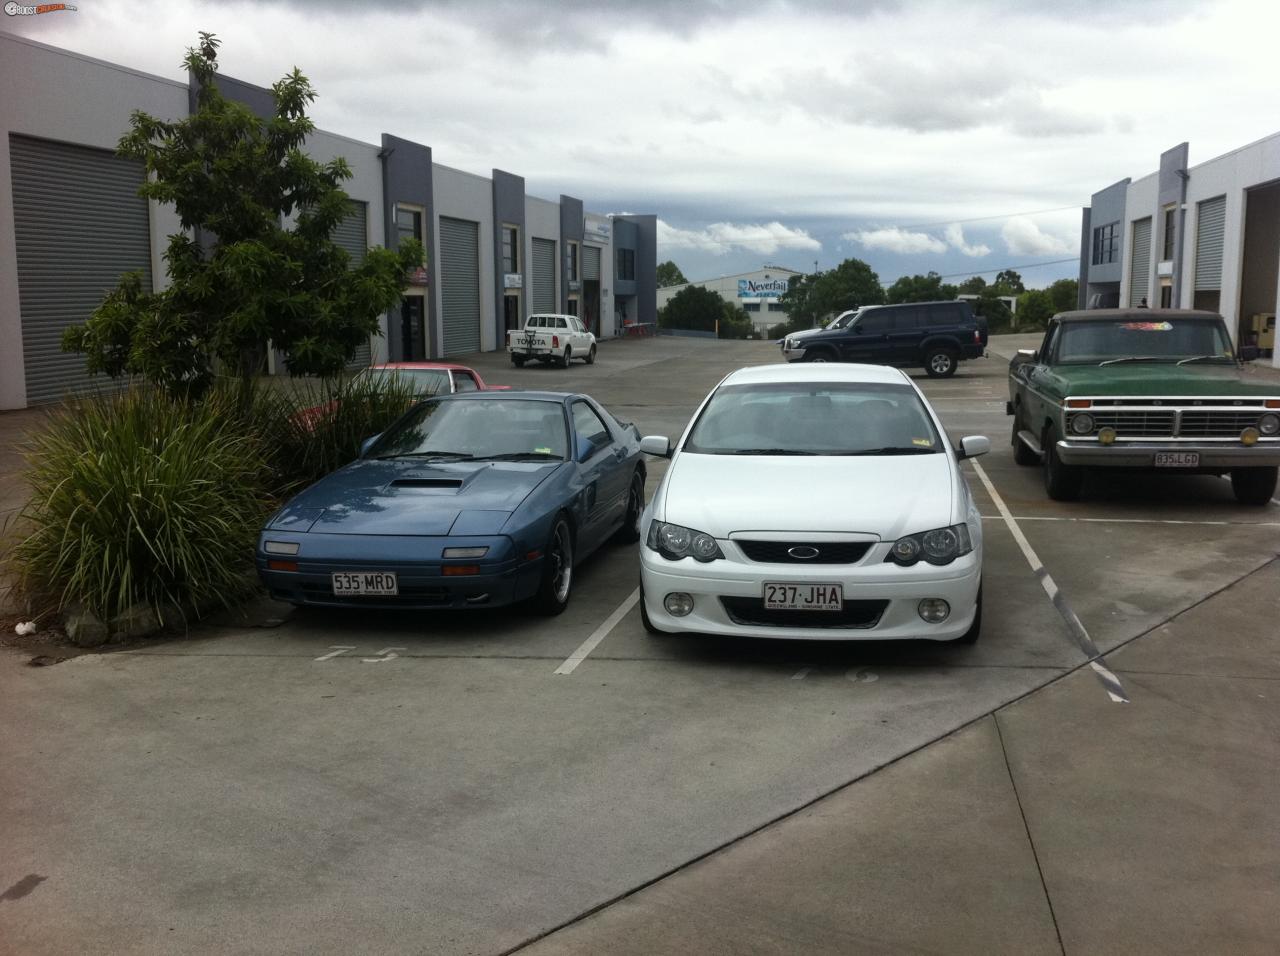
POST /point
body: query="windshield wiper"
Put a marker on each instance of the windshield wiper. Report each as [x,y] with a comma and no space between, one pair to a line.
[1202,358]
[892,450]
[451,455]
[765,451]
[518,455]
[1132,358]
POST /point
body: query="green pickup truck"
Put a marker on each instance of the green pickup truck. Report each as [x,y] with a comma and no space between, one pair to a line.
[1146,389]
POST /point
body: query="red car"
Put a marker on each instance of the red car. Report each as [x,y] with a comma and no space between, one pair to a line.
[428,378]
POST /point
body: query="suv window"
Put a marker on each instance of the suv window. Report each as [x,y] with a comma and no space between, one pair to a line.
[948,315]
[589,425]
[535,322]
[561,324]
[905,320]
[881,320]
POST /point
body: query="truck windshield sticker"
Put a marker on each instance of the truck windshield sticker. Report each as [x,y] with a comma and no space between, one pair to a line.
[1147,326]
[922,442]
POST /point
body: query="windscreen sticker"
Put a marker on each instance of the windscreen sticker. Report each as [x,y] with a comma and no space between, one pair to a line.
[922,442]
[544,450]
[1147,326]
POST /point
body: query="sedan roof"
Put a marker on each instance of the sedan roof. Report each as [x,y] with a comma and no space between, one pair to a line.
[817,372]
[398,366]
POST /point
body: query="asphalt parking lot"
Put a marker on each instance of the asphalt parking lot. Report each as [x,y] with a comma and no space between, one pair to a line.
[319,781]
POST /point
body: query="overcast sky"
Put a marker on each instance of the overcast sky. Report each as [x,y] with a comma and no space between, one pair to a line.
[762,131]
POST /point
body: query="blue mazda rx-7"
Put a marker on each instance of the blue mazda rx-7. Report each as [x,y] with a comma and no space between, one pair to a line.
[471,500]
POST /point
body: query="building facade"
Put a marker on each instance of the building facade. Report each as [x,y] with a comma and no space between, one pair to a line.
[71,223]
[1204,236]
[757,292]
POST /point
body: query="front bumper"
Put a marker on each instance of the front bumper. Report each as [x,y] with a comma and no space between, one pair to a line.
[870,580]
[1131,454]
[794,354]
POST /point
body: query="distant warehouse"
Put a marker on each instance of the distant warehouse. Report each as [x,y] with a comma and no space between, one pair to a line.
[756,292]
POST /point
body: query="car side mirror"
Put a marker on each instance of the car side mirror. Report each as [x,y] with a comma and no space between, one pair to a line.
[659,446]
[368,443]
[1248,353]
[1028,355]
[971,446]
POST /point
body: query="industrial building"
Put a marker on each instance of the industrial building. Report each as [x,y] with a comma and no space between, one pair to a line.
[71,223]
[757,292]
[1204,236]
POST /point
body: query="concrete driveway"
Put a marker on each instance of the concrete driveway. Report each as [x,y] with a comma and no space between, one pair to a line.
[1095,775]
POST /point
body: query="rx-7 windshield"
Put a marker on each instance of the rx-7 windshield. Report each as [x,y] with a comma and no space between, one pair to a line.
[814,418]
[1158,340]
[424,381]
[461,429]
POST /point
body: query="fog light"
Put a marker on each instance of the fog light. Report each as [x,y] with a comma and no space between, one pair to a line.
[1107,435]
[1249,436]
[934,610]
[678,604]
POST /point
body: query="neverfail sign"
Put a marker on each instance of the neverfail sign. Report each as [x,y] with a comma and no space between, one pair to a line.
[756,289]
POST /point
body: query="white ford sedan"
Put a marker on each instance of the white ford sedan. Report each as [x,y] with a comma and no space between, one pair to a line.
[816,502]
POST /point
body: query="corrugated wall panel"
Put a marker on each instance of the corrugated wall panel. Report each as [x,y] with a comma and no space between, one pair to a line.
[1211,221]
[1140,263]
[543,297]
[79,225]
[352,235]
[460,285]
[591,263]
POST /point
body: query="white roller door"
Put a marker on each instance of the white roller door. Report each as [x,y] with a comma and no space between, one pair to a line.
[1211,220]
[591,263]
[79,224]
[1140,262]
[460,285]
[543,293]
[352,235]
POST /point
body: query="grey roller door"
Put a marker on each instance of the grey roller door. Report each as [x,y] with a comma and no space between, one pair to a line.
[352,235]
[79,224]
[544,276]
[1211,221]
[591,263]
[1140,263]
[460,285]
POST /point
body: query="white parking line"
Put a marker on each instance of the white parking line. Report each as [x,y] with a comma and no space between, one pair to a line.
[1246,524]
[599,634]
[1109,680]
[337,650]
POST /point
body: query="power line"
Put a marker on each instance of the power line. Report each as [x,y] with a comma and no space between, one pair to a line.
[1030,265]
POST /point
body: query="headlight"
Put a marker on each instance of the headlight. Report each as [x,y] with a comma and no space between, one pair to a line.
[1082,424]
[674,542]
[939,546]
[1269,424]
[280,547]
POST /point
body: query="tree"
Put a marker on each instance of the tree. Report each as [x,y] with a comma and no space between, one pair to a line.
[918,288]
[1065,295]
[990,307]
[1009,281]
[236,178]
[797,302]
[848,286]
[735,322]
[669,274]
[694,308]
[973,285]
[1035,309]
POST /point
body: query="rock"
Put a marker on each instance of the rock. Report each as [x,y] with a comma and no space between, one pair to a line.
[83,628]
[139,620]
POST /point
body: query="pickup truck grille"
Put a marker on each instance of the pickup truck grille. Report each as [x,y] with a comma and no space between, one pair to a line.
[1136,424]
[1205,424]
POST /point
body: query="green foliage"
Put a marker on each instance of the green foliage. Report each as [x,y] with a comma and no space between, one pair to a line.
[1035,309]
[849,285]
[693,308]
[669,274]
[920,288]
[988,305]
[798,302]
[972,286]
[735,322]
[1065,295]
[779,331]
[138,497]
[1009,283]
[235,177]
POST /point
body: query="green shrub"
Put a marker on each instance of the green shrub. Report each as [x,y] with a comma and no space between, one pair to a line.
[140,498]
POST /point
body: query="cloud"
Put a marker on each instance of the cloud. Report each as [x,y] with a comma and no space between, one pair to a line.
[894,239]
[955,239]
[1022,237]
[723,237]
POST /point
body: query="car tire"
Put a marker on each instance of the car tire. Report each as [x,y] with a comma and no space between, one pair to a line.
[1062,482]
[975,629]
[819,355]
[591,356]
[556,585]
[1254,486]
[567,357]
[629,533]
[1022,453]
[940,362]
[517,360]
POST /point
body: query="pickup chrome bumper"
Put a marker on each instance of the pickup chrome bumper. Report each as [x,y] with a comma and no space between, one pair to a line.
[1142,454]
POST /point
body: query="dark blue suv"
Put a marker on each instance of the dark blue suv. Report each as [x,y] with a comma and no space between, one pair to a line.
[934,336]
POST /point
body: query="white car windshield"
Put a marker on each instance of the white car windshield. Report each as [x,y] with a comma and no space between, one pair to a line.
[814,418]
